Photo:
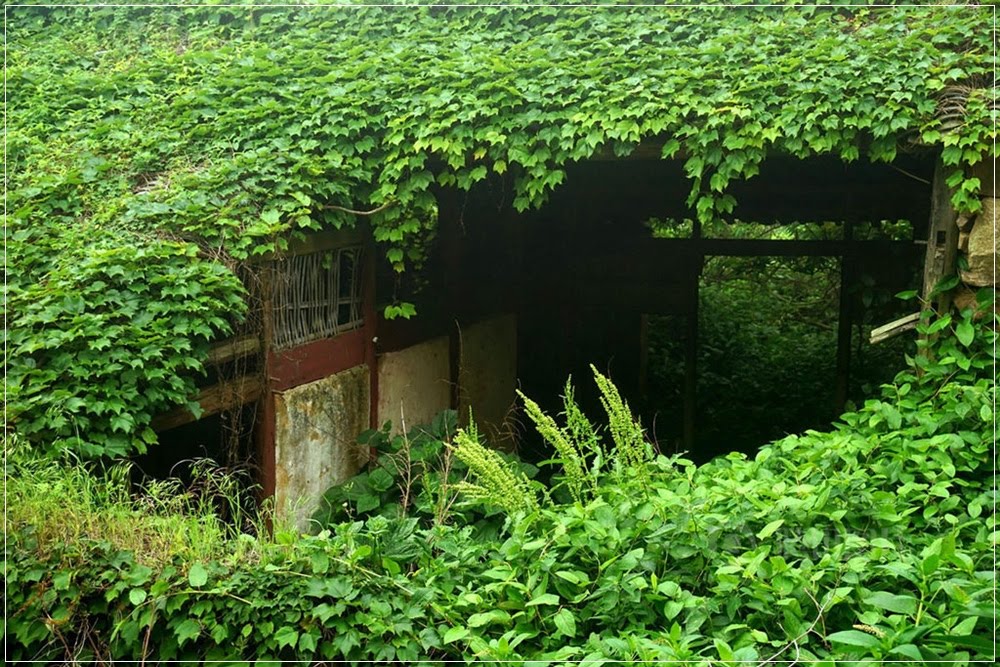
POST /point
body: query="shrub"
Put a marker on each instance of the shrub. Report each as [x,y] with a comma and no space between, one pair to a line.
[867,542]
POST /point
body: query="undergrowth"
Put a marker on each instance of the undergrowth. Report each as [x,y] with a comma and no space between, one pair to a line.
[872,541]
[59,502]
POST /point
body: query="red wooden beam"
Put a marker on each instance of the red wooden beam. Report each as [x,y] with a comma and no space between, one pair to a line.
[317,360]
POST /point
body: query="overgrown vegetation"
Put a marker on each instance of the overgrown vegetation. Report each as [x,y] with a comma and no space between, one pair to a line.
[870,541]
[153,150]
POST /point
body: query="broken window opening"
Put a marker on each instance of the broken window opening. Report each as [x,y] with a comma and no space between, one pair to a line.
[317,295]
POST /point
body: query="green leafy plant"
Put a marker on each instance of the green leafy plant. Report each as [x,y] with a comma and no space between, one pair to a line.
[497,482]
[110,336]
[870,541]
[153,149]
[412,474]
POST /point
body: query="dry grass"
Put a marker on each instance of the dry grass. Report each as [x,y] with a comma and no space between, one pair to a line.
[68,502]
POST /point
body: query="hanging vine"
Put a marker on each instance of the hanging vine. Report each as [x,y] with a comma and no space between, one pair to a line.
[238,128]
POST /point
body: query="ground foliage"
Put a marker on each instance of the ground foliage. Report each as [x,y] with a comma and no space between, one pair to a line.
[873,540]
[167,144]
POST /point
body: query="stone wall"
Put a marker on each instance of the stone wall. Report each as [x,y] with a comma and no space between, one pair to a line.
[977,240]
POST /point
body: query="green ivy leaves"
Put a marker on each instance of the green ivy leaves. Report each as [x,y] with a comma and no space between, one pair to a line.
[108,337]
[231,128]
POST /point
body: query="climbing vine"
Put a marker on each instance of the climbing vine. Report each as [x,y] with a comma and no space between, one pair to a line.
[229,130]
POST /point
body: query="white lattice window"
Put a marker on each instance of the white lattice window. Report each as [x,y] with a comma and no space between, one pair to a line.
[317,295]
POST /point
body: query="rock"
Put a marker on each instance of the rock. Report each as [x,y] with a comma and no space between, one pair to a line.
[965,297]
[982,249]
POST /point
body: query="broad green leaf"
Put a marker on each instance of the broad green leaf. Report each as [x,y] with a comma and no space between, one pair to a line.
[899,604]
[488,617]
[854,638]
[137,596]
[769,529]
[286,636]
[197,575]
[812,537]
[187,630]
[909,650]
[546,598]
[454,634]
[965,332]
[565,622]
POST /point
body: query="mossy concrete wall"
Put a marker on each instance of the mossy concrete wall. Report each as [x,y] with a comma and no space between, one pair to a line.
[316,427]
[414,384]
[488,376]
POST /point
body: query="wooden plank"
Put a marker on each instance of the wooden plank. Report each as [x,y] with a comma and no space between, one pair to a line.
[266,427]
[894,328]
[317,360]
[691,345]
[313,242]
[370,329]
[942,240]
[213,400]
[773,248]
[234,348]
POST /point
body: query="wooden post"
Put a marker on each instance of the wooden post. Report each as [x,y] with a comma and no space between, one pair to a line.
[370,326]
[643,357]
[456,292]
[691,343]
[942,241]
[266,426]
[847,270]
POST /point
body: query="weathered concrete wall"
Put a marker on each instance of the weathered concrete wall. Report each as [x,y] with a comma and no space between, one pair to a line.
[488,376]
[316,426]
[414,384]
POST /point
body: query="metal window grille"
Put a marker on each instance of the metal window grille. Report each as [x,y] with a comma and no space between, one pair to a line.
[317,296]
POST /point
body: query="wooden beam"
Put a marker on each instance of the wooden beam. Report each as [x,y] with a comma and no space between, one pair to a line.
[843,372]
[942,240]
[370,329]
[316,360]
[234,348]
[691,345]
[329,239]
[773,248]
[266,427]
[213,400]
[894,328]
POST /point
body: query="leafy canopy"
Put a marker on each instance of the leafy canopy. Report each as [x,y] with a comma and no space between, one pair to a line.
[183,139]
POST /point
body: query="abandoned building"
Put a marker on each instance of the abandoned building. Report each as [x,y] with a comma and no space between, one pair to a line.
[525,151]
[524,300]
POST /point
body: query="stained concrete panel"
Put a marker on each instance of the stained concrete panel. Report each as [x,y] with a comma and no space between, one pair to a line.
[316,426]
[414,384]
[488,376]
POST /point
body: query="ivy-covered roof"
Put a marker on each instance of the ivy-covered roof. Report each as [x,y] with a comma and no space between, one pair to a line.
[232,123]
[149,129]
